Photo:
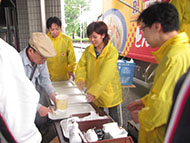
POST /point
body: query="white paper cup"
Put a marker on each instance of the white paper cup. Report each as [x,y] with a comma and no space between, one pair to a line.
[61,102]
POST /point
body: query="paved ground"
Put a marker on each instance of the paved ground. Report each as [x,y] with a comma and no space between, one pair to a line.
[78,53]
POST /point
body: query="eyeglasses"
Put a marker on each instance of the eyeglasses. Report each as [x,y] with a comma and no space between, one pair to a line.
[142,28]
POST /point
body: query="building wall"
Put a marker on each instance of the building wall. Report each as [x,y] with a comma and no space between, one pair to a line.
[53,8]
[29,17]
[23,22]
[34,16]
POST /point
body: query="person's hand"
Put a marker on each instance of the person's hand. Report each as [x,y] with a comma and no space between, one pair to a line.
[71,76]
[90,98]
[43,111]
[135,105]
[52,97]
[80,84]
[134,116]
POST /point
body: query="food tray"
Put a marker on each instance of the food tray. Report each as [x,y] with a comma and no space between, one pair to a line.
[72,109]
[63,84]
[68,91]
[63,124]
[77,99]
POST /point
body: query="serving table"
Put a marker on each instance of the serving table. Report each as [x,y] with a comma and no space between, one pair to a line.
[84,125]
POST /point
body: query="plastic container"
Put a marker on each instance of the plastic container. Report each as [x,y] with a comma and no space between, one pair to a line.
[126,72]
[74,136]
[61,102]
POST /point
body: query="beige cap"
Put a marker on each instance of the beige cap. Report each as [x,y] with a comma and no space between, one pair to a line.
[42,44]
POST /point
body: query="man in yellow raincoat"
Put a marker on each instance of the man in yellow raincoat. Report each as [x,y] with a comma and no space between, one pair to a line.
[184,14]
[97,70]
[61,67]
[159,24]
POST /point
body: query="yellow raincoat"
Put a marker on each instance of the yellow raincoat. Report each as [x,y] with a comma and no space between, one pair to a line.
[64,62]
[101,75]
[174,59]
[184,14]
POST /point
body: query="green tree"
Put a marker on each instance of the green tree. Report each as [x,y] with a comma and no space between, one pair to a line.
[73,10]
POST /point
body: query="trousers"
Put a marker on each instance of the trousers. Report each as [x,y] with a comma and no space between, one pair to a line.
[113,113]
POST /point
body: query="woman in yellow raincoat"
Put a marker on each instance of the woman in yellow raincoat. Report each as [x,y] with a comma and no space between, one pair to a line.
[61,66]
[97,70]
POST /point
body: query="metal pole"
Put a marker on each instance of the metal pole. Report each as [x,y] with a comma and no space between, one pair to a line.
[63,15]
[80,29]
[8,25]
[16,35]
[129,5]
[43,15]
[83,29]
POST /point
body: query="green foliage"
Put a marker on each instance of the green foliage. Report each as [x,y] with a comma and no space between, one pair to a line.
[72,12]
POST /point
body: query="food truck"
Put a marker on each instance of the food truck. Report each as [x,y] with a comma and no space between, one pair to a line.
[121,16]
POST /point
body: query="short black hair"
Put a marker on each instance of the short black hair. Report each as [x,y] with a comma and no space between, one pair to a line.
[52,20]
[162,12]
[99,27]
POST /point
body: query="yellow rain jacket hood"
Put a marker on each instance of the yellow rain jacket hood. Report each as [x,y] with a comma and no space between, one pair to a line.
[184,14]
[101,75]
[173,58]
[64,61]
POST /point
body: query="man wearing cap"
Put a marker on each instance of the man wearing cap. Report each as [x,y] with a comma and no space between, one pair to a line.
[34,58]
